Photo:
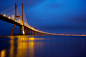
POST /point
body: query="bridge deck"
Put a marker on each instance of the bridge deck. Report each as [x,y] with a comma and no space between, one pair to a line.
[9,20]
[14,22]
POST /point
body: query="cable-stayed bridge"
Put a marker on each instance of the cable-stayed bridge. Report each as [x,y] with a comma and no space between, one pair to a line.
[20,20]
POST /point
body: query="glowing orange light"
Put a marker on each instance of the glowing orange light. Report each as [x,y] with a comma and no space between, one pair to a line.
[9,17]
[3,53]
[32,38]
[23,38]
[4,15]
[33,29]
[23,32]
[19,19]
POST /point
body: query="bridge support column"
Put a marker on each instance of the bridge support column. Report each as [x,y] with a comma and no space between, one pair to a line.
[13,29]
[23,30]
[42,34]
[19,29]
[38,33]
[34,32]
[26,31]
[31,32]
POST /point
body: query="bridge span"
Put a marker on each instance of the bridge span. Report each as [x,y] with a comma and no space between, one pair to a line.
[25,28]
[29,30]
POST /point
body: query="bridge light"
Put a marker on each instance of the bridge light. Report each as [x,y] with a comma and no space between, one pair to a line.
[23,32]
[19,19]
[16,21]
[12,16]
[4,15]
[33,29]
[9,17]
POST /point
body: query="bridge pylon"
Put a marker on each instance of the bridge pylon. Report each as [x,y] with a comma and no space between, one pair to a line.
[23,31]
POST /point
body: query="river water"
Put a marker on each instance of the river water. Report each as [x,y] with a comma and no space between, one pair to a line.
[42,46]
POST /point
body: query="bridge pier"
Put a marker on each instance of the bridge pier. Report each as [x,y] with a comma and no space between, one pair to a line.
[34,32]
[26,31]
[37,33]
[19,29]
[23,30]
[31,32]
[42,34]
[13,29]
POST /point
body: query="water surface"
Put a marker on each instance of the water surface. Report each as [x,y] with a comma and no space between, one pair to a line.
[42,46]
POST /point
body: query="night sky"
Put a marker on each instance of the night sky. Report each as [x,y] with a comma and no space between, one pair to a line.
[53,16]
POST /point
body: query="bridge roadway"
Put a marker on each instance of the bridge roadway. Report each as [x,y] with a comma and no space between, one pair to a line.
[9,20]
[4,18]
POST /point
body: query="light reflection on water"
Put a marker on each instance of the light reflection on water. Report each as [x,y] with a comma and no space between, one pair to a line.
[3,53]
[24,46]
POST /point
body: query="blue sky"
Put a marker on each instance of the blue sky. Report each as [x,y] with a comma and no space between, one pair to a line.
[54,16]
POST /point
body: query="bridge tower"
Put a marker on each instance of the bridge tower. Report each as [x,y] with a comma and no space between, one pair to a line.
[23,31]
